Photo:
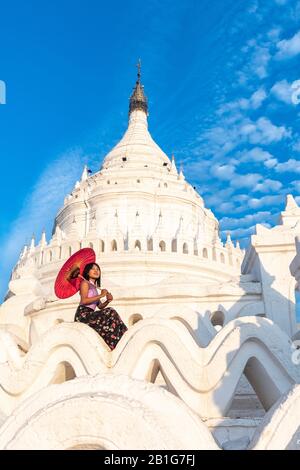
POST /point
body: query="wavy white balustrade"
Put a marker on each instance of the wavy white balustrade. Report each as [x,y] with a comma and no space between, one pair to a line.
[280,428]
[197,323]
[204,378]
[112,412]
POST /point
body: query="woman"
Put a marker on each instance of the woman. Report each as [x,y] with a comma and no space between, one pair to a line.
[107,322]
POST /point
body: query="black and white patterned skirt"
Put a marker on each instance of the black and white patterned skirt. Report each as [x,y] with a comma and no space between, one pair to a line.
[106,322]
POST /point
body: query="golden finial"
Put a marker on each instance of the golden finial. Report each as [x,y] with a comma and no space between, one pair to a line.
[138,100]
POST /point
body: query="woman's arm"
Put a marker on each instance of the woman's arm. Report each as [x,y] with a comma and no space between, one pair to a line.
[84,299]
[100,305]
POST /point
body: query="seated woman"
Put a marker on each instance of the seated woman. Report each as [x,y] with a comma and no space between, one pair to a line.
[106,322]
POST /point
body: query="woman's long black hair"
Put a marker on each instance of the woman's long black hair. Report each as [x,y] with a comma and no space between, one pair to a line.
[86,276]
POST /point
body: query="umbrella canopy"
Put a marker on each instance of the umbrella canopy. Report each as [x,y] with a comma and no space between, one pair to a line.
[67,282]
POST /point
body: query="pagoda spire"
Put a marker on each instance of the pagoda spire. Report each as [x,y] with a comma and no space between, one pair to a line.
[173,165]
[228,240]
[32,244]
[291,204]
[43,241]
[85,173]
[138,99]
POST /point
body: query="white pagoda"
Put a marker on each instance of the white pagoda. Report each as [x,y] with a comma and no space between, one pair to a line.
[208,360]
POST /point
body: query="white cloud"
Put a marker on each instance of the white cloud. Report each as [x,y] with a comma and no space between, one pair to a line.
[287,92]
[258,58]
[295,98]
[253,102]
[226,207]
[223,172]
[42,204]
[196,168]
[245,181]
[274,34]
[256,154]
[257,98]
[289,47]
[223,138]
[267,186]
[296,146]
[240,198]
[290,165]
[229,223]
[217,197]
[282,91]
[296,185]
[263,131]
[271,163]
[260,61]
[265,201]
[241,232]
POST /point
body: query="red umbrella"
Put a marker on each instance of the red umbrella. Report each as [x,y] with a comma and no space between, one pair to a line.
[66,286]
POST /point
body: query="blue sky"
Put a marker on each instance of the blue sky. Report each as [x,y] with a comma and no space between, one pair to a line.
[222,78]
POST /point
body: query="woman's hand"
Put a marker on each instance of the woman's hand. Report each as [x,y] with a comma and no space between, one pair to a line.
[109,298]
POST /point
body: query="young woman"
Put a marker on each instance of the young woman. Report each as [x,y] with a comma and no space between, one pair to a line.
[106,322]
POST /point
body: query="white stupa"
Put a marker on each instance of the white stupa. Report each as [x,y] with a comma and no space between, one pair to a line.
[213,339]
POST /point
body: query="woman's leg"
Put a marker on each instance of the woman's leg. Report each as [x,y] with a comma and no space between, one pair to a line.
[110,326]
[83,314]
[106,322]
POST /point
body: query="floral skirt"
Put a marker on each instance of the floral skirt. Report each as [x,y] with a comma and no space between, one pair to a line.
[106,322]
